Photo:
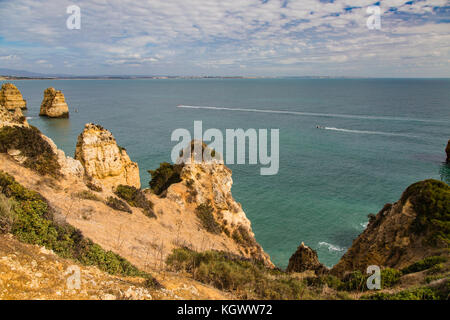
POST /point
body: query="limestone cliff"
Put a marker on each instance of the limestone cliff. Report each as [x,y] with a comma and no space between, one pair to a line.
[305,259]
[104,160]
[206,186]
[402,233]
[54,104]
[11,98]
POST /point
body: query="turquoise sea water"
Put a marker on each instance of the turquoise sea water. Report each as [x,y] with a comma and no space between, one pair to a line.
[393,133]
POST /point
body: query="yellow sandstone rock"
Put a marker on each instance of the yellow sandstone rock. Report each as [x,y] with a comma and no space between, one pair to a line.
[104,160]
[11,98]
[54,104]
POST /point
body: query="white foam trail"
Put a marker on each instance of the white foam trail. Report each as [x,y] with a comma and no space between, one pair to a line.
[29,118]
[312,114]
[367,132]
[364,225]
[331,247]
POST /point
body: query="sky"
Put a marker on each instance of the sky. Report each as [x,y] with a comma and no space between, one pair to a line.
[228,38]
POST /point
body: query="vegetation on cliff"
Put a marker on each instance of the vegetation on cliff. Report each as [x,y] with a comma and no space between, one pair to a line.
[205,214]
[135,198]
[37,152]
[245,278]
[118,204]
[431,201]
[28,216]
[164,176]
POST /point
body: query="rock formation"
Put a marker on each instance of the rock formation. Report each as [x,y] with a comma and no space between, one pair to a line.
[447,150]
[54,104]
[305,259]
[209,183]
[11,98]
[402,233]
[104,160]
[8,118]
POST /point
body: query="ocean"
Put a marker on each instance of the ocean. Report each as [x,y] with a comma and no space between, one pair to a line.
[375,138]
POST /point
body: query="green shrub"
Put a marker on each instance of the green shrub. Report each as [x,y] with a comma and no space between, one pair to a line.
[7,214]
[328,280]
[34,223]
[241,236]
[87,195]
[38,152]
[245,278]
[94,187]
[415,294]
[424,264]
[390,277]
[135,198]
[431,201]
[117,204]
[355,281]
[164,176]
[205,213]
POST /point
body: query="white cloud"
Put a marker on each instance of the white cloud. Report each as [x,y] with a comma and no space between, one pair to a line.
[159,36]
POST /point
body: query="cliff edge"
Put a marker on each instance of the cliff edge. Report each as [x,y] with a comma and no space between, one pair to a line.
[415,227]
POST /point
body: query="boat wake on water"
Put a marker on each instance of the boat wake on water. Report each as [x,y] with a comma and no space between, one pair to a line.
[366,132]
[313,114]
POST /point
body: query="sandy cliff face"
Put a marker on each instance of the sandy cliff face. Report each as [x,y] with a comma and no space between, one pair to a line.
[411,229]
[11,98]
[54,104]
[104,160]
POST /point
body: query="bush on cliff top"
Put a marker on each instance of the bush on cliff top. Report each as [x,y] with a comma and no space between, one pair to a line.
[431,201]
[135,198]
[164,176]
[39,154]
[34,223]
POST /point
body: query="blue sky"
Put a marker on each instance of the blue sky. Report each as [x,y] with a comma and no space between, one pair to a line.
[228,37]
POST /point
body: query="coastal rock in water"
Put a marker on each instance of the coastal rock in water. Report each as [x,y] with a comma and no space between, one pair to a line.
[447,150]
[11,98]
[305,259]
[54,104]
[405,232]
[104,160]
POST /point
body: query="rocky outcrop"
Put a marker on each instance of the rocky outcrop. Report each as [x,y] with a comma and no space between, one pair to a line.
[447,150]
[104,160]
[209,184]
[28,146]
[54,104]
[8,118]
[305,259]
[11,98]
[402,233]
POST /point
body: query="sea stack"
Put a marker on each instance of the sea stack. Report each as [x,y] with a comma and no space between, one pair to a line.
[104,160]
[54,104]
[305,259]
[11,98]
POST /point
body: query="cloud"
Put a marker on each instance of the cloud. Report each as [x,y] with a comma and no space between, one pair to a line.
[275,37]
